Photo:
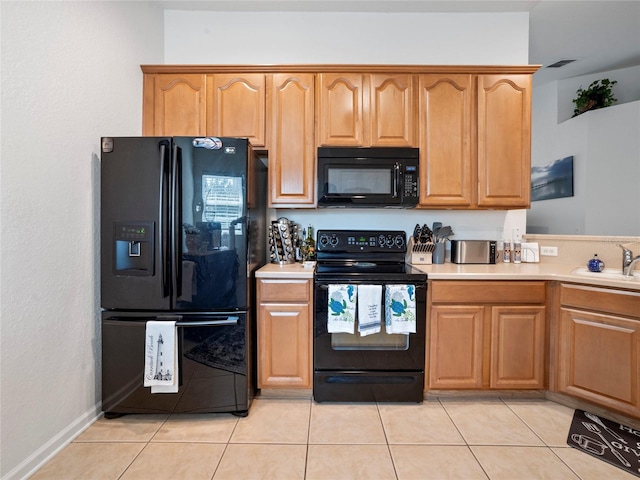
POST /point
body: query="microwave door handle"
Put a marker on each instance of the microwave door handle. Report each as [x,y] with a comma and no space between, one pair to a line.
[396,179]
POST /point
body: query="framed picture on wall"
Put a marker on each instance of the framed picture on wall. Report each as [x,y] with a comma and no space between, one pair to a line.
[554,180]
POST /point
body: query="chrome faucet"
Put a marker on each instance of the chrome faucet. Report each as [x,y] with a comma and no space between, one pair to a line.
[628,261]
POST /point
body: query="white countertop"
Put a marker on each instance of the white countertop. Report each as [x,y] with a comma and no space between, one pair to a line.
[289,270]
[499,271]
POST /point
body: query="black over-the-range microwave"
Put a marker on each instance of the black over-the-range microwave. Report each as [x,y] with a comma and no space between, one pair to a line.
[368,177]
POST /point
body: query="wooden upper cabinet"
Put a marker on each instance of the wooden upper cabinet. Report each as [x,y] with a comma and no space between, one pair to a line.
[366,109]
[341,109]
[392,110]
[292,153]
[445,120]
[237,106]
[504,141]
[471,123]
[174,104]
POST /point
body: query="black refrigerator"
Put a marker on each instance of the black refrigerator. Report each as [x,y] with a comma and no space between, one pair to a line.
[183,227]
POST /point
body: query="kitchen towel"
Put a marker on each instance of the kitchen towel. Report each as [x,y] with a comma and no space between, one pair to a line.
[400,309]
[161,357]
[341,309]
[369,308]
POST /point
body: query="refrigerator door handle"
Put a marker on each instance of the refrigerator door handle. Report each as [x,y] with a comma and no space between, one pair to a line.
[162,225]
[218,322]
[212,323]
[176,222]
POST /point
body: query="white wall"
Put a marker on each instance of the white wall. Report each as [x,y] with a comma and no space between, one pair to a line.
[70,73]
[378,38]
[605,145]
[359,38]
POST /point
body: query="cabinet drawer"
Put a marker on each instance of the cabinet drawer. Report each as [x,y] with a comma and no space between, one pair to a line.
[618,302]
[283,290]
[481,291]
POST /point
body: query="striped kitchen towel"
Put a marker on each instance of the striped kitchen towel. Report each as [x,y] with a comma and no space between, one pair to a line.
[369,309]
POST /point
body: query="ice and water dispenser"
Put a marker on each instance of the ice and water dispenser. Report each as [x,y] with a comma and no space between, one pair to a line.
[134,249]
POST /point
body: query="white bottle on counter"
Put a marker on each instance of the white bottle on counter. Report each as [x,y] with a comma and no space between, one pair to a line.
[517,246]
[506,250]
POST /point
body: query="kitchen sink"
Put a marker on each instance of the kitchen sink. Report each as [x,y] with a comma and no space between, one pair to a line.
[610,273]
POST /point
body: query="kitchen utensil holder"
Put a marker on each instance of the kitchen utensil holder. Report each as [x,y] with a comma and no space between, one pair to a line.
[439,252]
[420,253]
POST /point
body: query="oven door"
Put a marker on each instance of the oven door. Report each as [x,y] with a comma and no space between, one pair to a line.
[377,367]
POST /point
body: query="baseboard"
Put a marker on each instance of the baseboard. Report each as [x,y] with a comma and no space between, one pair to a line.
[304,393]
[480,394]
[576,403]
[37,459]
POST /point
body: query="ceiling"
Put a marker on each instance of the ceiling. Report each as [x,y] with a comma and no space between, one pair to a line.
[601,35]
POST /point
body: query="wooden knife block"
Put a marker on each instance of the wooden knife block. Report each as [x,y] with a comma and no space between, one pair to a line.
[416,256]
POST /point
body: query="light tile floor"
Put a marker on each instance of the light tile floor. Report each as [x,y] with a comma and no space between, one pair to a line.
[299,439]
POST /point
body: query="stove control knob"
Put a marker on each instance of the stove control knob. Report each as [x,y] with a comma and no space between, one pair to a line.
[389,241]
[324,240]
[334,241]
[399,241]
[381,240]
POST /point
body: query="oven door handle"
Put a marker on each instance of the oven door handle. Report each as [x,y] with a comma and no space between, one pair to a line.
[325,286]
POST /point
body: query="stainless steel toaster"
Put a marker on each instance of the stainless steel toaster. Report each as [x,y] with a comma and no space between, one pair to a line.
[473,251]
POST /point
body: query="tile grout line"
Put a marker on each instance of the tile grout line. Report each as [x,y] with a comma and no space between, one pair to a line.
[386,438]
[464,439]
[146,444]
[541,439]
[306,454]
[524,422]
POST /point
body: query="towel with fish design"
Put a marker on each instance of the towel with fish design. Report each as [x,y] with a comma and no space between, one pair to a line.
[400,309]
[341,308]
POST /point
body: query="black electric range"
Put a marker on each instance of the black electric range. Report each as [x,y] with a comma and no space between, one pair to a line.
[380,367]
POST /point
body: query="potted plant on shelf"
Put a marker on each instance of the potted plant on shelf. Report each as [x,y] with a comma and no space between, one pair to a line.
[598,95]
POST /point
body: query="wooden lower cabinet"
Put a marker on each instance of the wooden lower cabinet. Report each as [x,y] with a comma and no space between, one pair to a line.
[599,347]
[284,333]
[456,346]
[517,346]
[481,336]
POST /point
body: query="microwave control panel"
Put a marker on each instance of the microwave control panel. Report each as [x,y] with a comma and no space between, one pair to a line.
[410,176]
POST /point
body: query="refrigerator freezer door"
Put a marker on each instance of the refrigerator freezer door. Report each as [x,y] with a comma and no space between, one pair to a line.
[214,364]
[134,223]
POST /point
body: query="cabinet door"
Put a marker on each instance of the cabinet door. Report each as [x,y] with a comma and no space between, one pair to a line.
[237,107]
[446,174]
[456,346]
[504,140]
[284,346]
[174,104]
[391,111]
[292,155]
[341,109]
[599,359]
[517,347]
